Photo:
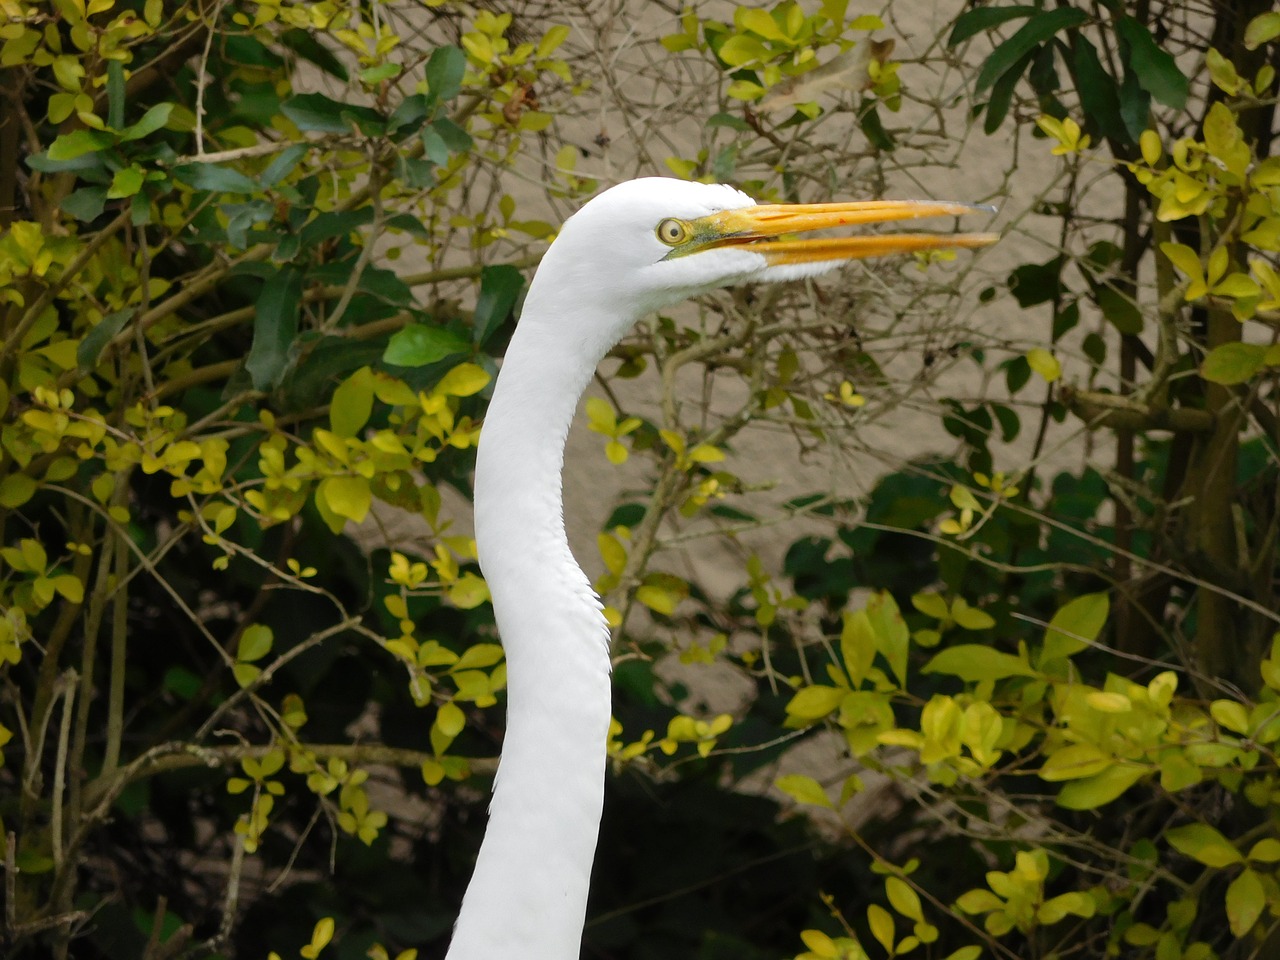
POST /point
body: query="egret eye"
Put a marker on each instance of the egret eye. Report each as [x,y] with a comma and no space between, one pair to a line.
[673,232]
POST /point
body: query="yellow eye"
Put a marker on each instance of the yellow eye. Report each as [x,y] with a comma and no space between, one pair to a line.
[673,232]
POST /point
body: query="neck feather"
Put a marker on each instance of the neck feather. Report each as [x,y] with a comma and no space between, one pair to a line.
[527,897]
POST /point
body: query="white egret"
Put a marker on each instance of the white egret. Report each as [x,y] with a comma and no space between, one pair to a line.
[636,248]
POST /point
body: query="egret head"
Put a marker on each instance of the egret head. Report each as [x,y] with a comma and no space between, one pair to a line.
[649,243]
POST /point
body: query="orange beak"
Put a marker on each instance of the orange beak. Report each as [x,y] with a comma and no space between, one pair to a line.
[753,228]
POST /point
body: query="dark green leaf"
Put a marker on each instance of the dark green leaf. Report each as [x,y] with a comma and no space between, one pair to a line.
[454,137]
[433,147]
[115,94]
[500,286]
[730,121]
[95,341]
[275,325]
[139,209]
[420,344]
[323,362]
[1016,374]
[79,142]
[1034,283]
[444,72]
[873,129]
[1065,319]
[86,204]
[283,164]
[1095,348]
[1120,310]
[1135,106]
[1099,92]
[973,22]
[409,223]
[318,113]
[336,224]
[80,163]
[1010,424]
[216,179]
[243,217]
[1155,69]
[1033,33]
[408,115]
[313,51]
[1002,93]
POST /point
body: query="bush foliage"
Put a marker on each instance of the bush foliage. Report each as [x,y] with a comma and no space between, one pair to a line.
[257,261]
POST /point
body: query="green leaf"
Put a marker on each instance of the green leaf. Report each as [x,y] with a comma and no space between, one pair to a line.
[1100,789]
[255,643]
[275,325]
[973,22]
[214,178]
[1155,69]
[77,143]
[1235,362]
[893,639]
[500,286]
[803,789]
[16,489]
[1075,626]
[352,403]
[444,72]
[151,121]
[1246,899]
[1203,843]
[95,341]
[1075,762]
[1034,32]
[419,344]
[974,662]
[126,182]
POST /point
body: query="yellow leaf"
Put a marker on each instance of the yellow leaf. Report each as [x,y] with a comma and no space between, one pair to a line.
[881,923]
[903,899]
[657,599]
[1044,363]
[815,702]
[348,497]
[463,380]
[803,789]
[1246,899]
[352,403]
[450,719]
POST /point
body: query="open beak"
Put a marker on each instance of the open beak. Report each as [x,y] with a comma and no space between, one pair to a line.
[755,228]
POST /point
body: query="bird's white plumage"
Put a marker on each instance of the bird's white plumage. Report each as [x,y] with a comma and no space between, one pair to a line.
[605,271]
